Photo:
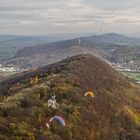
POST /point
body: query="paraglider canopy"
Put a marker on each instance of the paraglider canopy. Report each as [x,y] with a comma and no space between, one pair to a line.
[58,118]
[91,94]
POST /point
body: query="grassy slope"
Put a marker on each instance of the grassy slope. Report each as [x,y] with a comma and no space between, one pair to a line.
[113,114]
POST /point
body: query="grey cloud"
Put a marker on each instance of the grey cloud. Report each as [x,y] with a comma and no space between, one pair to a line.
[65,15]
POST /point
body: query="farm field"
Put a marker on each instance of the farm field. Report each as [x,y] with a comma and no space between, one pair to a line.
[134,75]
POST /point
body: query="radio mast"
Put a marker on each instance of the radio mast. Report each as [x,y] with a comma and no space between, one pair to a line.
[79,41]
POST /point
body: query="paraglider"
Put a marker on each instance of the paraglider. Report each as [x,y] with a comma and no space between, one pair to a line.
[47,125]
[91,94]
[58,118]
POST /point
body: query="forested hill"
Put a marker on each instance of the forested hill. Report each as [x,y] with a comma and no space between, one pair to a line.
[112,114]
[113,47]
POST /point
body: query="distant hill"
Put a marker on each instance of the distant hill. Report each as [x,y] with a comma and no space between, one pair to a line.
[114,47]
[21,41]
[113,114]
[10,44]
[9,37]
[115,39]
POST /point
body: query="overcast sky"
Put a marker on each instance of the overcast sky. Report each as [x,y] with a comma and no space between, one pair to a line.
[69,16]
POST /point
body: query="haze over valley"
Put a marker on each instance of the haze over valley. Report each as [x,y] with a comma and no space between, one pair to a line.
[120,51]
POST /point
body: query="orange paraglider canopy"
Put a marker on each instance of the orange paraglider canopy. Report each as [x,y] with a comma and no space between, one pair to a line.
[91,94]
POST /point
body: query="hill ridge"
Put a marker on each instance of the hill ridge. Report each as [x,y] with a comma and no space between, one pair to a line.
[113,113]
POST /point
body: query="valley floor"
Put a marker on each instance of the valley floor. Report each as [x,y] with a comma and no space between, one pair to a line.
[134,75]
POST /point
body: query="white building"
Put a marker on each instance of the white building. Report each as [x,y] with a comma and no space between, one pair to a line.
[52,102]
